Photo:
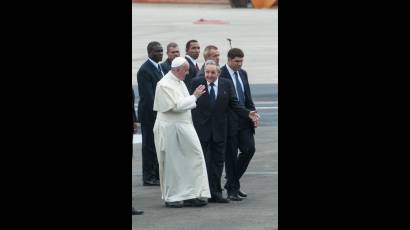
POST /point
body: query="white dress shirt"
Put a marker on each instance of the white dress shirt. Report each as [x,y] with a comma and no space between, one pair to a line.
[231,73]
[215,88]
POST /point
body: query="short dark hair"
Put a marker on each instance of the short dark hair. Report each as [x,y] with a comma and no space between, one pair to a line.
[172,44]
[235,52]
[188,44]
[151,46]
[207,49]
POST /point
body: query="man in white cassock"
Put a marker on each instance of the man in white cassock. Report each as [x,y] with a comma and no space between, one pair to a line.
[182,168]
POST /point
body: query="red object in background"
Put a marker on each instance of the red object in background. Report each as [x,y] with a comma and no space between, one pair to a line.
[210,21]
[184,1]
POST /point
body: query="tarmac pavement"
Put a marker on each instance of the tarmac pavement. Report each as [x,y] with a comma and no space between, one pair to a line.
[258,211]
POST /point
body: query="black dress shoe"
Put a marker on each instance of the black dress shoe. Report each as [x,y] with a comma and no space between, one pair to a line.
[234,197]
[175,204]
[151,183]
[242,194]
[218,199]
[137,212]
[195,202]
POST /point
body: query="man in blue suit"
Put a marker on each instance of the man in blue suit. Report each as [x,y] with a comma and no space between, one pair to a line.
[148,75]
[241,131]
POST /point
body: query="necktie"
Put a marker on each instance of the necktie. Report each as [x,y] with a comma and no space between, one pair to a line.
[212,95]
[160,70]
[196,65]
[239,91]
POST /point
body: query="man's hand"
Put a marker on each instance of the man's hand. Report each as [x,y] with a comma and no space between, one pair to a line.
[199,91]
[135,127]
[254,116]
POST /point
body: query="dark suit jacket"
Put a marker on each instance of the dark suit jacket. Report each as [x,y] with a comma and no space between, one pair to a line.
[214,121]
[192,73]
[147,76]
[166,66]
[134,115]
[236,122]
[201,72]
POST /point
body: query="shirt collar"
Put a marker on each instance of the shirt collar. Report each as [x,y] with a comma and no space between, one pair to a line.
[154,63]
[215,82]
[193,61]
[230,70]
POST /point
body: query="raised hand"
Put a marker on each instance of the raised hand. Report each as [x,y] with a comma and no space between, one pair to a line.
[199,91]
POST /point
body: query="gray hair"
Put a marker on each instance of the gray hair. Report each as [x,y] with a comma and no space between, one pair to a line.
[212,62]
[207,49]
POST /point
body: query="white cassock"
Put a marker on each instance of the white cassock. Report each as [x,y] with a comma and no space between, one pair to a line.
[182,168]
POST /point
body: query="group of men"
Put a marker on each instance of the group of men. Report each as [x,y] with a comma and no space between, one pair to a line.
[193,122]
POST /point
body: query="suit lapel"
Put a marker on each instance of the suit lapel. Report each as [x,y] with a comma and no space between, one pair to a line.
[155,71]
[220,93]
[192,69]
[225,73]
[189,61]
[245,85]
[205,97]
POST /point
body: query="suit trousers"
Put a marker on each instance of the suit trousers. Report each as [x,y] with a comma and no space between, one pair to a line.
[236,164]
[149,155]
[132,138]
[214,153]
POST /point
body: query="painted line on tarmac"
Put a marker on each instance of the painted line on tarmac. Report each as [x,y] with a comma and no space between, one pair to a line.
[137,173]
[137,139]
[262,173]
[256,102]
[265,102]
[266,108]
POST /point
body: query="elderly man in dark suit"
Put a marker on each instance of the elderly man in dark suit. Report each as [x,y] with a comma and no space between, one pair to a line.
[192,50]
[241,131]
[148,75]
[134,130]
[211,123]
